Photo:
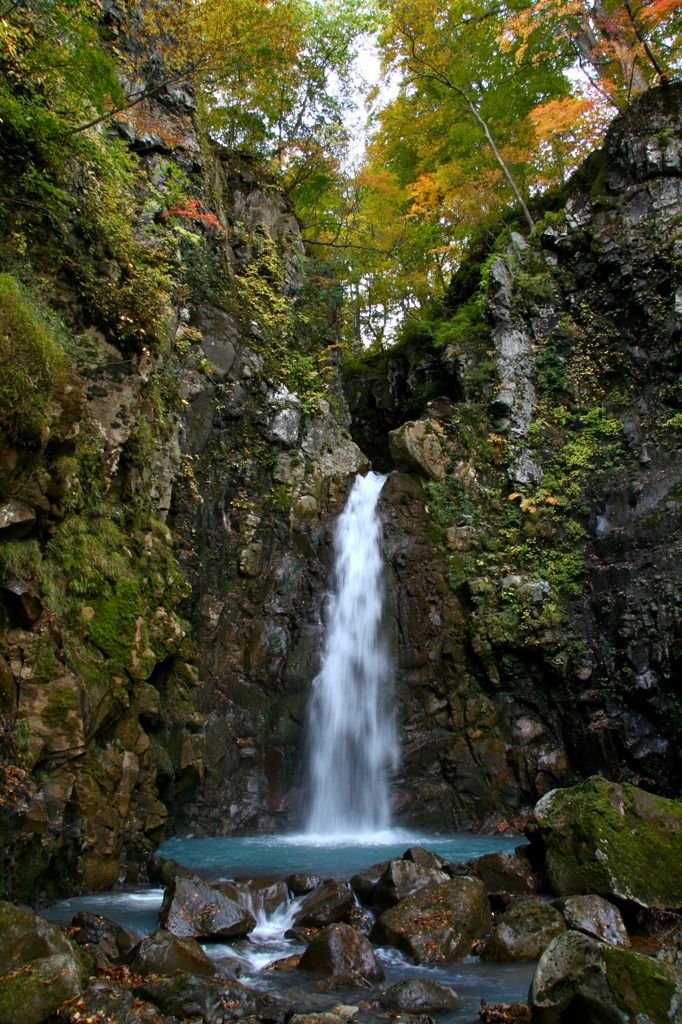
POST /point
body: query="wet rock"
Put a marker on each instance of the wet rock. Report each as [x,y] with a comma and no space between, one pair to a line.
[505,872]
[437,923]
[31,992]
[325,905]
[268,894]
[360,919]
[301,884]
[580,978]
[420,995]
[594,916]
[193,909]
[421,446]
[163,953]
[340,949]
[425,858]
[114,941]
[401,878]
[613,840]
[364,883]
[210,999]
[107,1002]
[523,931]
[317,1018]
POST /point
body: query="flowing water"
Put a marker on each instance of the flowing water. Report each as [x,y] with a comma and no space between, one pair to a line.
[351,732]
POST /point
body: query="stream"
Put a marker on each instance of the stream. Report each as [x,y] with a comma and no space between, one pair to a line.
[275,857]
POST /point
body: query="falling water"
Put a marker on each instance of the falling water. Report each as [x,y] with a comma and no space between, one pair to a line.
[351,728]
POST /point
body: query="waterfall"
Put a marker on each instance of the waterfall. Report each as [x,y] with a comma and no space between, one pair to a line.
[351,724]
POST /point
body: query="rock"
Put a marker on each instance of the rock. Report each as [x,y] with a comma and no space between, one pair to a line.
[523,931]
[360,919]
[437,923]
[163,953]
[420,995]
[325,905]
[191,908]
[115,941]
[16,520]
[301,884]
[103,1001]
[364,883]
[425,858]
[33,991]
[422,446]
[25,936]
[615,840]
[317,1018]
[580,978]
[21,602]
[594,916]
[210,999]
[340,949]
[348,980]
[505,872]
[401,878]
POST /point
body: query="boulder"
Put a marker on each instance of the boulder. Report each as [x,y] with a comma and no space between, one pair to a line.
[504,1013]
[364,883]
[25,936]
[421,445]
[401,878]
[614,840]
[360,919]
[340,949]
[594,916]
[438,922]
[523,931]
[163,953]
[114,941]
[580,978]
[425,858]
[505,872]
[301,883]
[210,1000]
[32,992]
[106,1002]
[420,995]
[325,905]
[267,893]
[191,908]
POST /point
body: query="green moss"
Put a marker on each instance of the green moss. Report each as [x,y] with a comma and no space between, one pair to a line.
[639,985]
[114,624]
[32,362]
[61,702]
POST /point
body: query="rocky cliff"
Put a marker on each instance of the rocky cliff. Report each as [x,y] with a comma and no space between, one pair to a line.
[533,538]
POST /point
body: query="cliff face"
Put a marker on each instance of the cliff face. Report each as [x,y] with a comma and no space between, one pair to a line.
[535,543]
[174,445]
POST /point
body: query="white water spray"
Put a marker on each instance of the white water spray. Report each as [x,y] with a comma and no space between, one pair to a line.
[351,726]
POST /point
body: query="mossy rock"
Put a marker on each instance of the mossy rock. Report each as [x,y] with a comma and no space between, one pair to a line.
[615,840]
[580,978]
[33,992]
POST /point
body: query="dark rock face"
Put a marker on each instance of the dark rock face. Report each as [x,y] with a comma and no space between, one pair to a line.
[210,1000]
[506,872]
[614,840]
[438,922]
[114,941]
[401,878]
[341,950]
[192,909]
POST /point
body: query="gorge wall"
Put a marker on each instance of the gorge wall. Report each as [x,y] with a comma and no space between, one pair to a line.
[166,507]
